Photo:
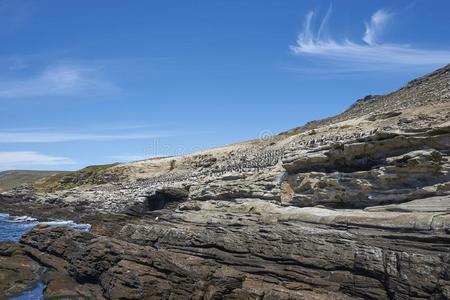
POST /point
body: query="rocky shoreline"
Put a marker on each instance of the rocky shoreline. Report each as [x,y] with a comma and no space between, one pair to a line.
[351,207]
[18,271]
[238,251]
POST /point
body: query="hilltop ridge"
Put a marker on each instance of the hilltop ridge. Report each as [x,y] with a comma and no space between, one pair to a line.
[432,88]
[12,178]
[356,206]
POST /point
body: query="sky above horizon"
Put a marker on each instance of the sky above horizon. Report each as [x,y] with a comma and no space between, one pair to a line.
[93,82]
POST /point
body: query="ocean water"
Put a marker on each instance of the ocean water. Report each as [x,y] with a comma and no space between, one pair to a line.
[37,293]
[12,229]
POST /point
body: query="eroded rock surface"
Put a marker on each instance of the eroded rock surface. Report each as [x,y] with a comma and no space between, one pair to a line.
[18,272]
[355,206]
[251,249]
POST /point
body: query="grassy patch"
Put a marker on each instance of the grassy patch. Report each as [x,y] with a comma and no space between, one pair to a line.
[12,179]
[92,175]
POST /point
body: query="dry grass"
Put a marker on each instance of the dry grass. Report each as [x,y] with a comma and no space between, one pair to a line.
[92,175]
[12,179]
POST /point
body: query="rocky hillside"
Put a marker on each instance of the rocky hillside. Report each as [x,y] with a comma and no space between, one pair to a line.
[431,89]
[351,207]
[15,178]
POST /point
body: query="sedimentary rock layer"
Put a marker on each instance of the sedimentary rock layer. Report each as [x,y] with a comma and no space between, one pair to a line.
[352,207]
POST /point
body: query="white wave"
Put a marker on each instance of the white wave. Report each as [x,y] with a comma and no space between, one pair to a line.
[27,221]
[21,219]
[68,223]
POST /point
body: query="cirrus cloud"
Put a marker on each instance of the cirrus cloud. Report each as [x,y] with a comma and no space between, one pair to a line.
[375,26]
[58,80]
[30,159]
[370,54]
[58,137]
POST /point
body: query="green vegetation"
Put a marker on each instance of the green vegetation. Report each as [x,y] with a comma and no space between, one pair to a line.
[12,179]
[97,174]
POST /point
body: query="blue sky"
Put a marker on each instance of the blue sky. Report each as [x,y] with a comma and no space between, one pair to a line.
[90,82]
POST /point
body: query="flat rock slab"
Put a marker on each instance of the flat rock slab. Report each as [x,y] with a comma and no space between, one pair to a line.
[18,272]
[432,204]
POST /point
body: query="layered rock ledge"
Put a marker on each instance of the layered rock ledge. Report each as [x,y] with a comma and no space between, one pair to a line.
[356,206]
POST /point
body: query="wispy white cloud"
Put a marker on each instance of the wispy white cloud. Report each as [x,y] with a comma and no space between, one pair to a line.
[57,137]
[60,80]
[102,132]
[324,23]
[375,26]
[368,55]
[29,159]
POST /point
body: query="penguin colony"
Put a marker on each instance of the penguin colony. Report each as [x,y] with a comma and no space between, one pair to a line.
[246,161]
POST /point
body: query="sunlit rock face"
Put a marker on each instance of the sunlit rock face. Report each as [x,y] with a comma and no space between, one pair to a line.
[351,207]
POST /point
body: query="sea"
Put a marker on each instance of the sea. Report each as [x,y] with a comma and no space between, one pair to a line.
[12,229]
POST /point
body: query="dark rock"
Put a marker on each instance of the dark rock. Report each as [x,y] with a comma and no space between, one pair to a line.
[354,206]
[18,272]
[161,198]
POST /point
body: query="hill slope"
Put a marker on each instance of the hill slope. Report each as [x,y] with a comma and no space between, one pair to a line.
[13,178]
[352,207]
[431,89]
[423,102]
